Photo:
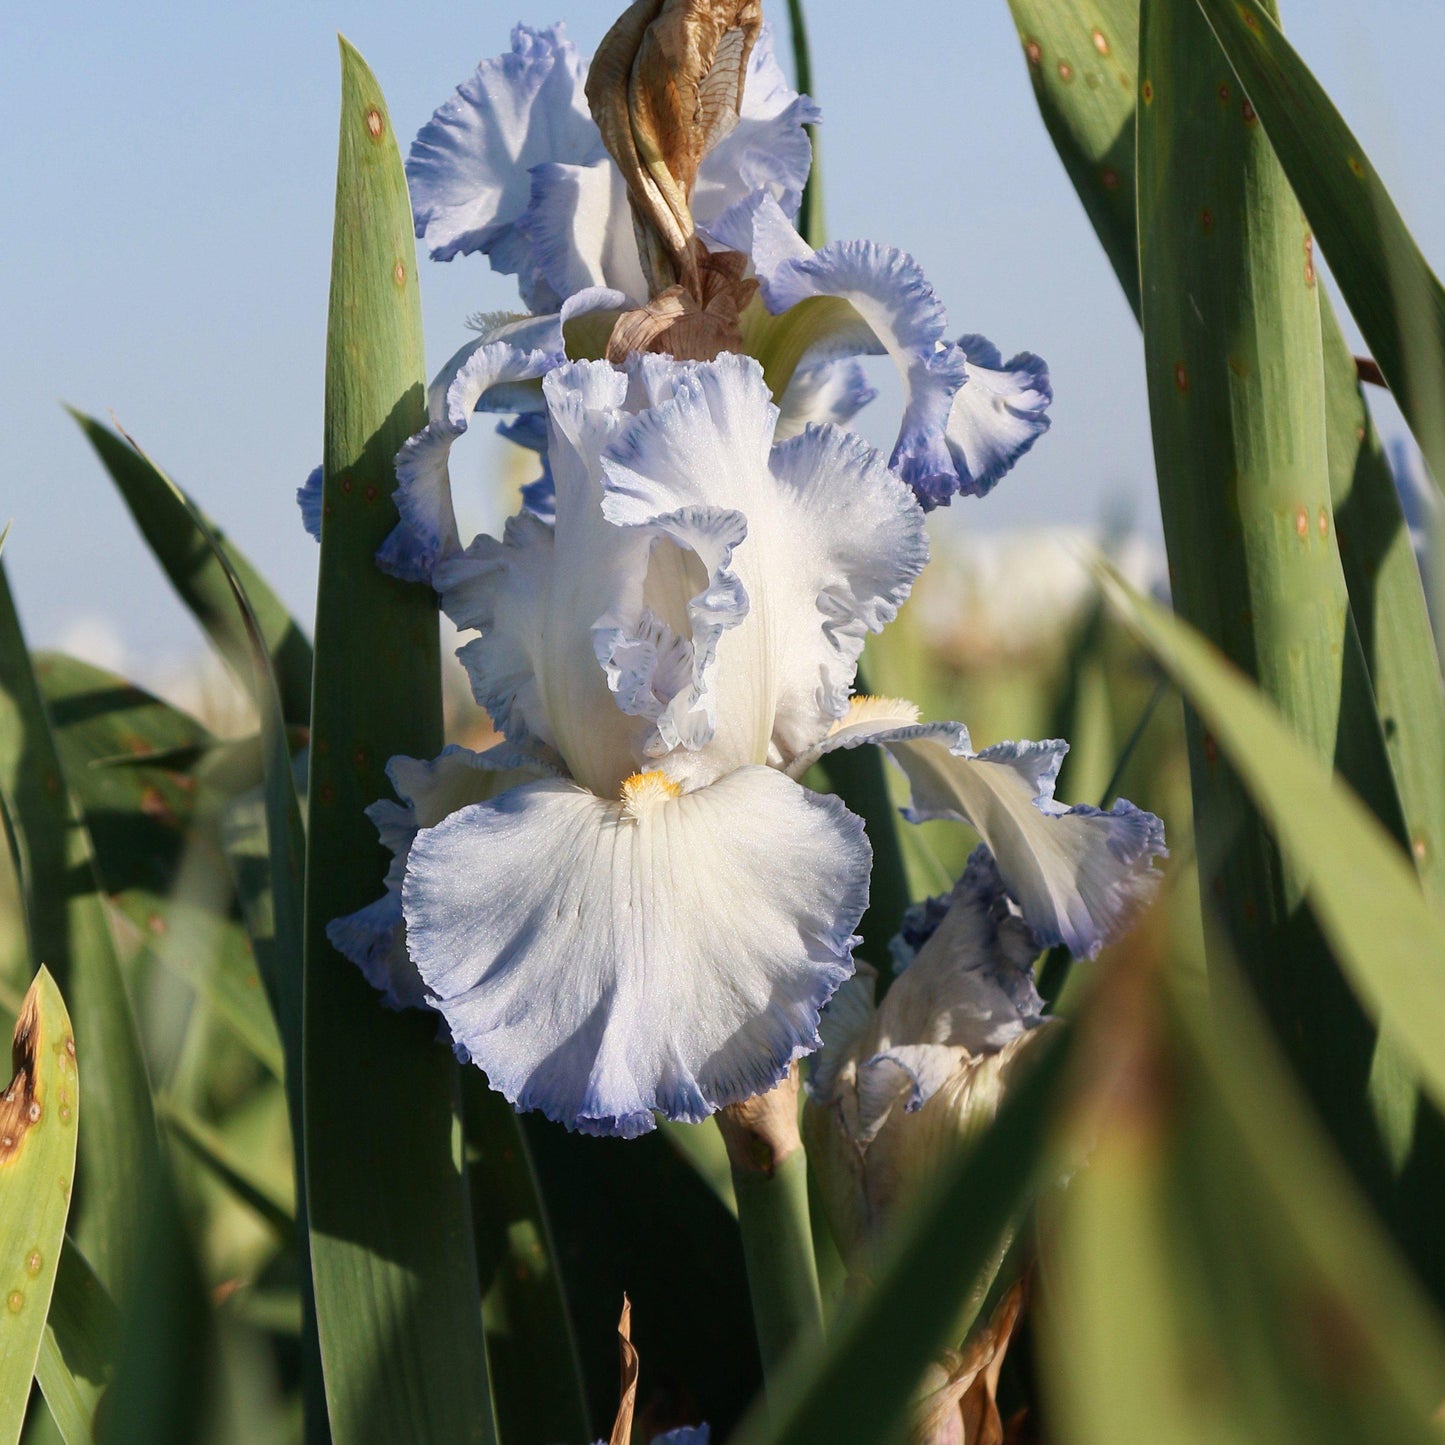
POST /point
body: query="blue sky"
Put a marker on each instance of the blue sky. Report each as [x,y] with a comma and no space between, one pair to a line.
[165,250]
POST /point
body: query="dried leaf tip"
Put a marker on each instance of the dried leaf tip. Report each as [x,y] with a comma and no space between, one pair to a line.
[21,1104]
[627,1405]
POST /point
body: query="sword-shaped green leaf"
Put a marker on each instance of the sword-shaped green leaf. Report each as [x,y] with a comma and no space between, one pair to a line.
[397,1300]
[1236,397]
[77,1354]
[39,1121]
[1387,283]
[1083,59]
[181,540]
[70,934]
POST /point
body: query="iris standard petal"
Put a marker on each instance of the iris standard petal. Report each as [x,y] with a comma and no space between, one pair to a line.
[374,937]
[767,150]
[1079,874]
[468,167]
[832,547]
[427,531]
[605,960]
[579,224]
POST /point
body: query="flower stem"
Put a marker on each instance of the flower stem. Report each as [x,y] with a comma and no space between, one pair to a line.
[770,1178]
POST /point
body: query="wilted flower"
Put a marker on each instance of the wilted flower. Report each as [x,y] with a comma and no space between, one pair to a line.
[898,1084]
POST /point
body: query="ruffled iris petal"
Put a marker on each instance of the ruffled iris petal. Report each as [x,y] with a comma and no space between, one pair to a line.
[827,391]
[427,531]
[603,962]
[946,444]
[468,167]
[997,415]
[1079,874]
[374,937]
[833,543]
[579,224]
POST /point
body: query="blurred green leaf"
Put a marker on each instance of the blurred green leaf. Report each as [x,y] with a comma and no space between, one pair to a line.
[1212,1274]
[1083,59]
[77,1355]
[397,1299]
[181,540]
[156,837]
[859,1387]
[210,1146]
[39,1119]
[70,934]
[1388,285]
[1386,936]
[164,1364]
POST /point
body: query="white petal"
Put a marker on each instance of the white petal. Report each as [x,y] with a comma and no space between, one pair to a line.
[468,167]
[833,545]
[374,937]
[579,223]
[600,962]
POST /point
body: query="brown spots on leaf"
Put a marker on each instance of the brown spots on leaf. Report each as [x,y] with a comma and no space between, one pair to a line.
[361,757]
[347,486]
[1211,749]
[1146,92]
[1181,377]
[1251,20]
[1309,259]
[1223,92]
[15,1301]
[374,123]
[1066,71]
[157,925]
[1034,51]
[1101,43]
[398,273]
[1324,523]
[20,1103]
[1419,847]
[1356,169]
[1239,366]
[371,491]
[1302,523]
[1109,178]
[33,1263]
[52,784]
[1247,111]
[1206,220]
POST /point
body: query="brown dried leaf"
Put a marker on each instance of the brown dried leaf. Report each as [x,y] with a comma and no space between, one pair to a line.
[627,1405]
[959,1404]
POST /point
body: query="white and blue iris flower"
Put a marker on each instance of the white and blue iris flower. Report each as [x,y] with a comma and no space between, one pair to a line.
[654,919]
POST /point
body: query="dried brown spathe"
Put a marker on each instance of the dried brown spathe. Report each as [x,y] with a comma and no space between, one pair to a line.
[665,86]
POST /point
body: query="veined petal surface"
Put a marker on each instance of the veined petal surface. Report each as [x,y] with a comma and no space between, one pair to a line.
[604,960]
[374,937]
